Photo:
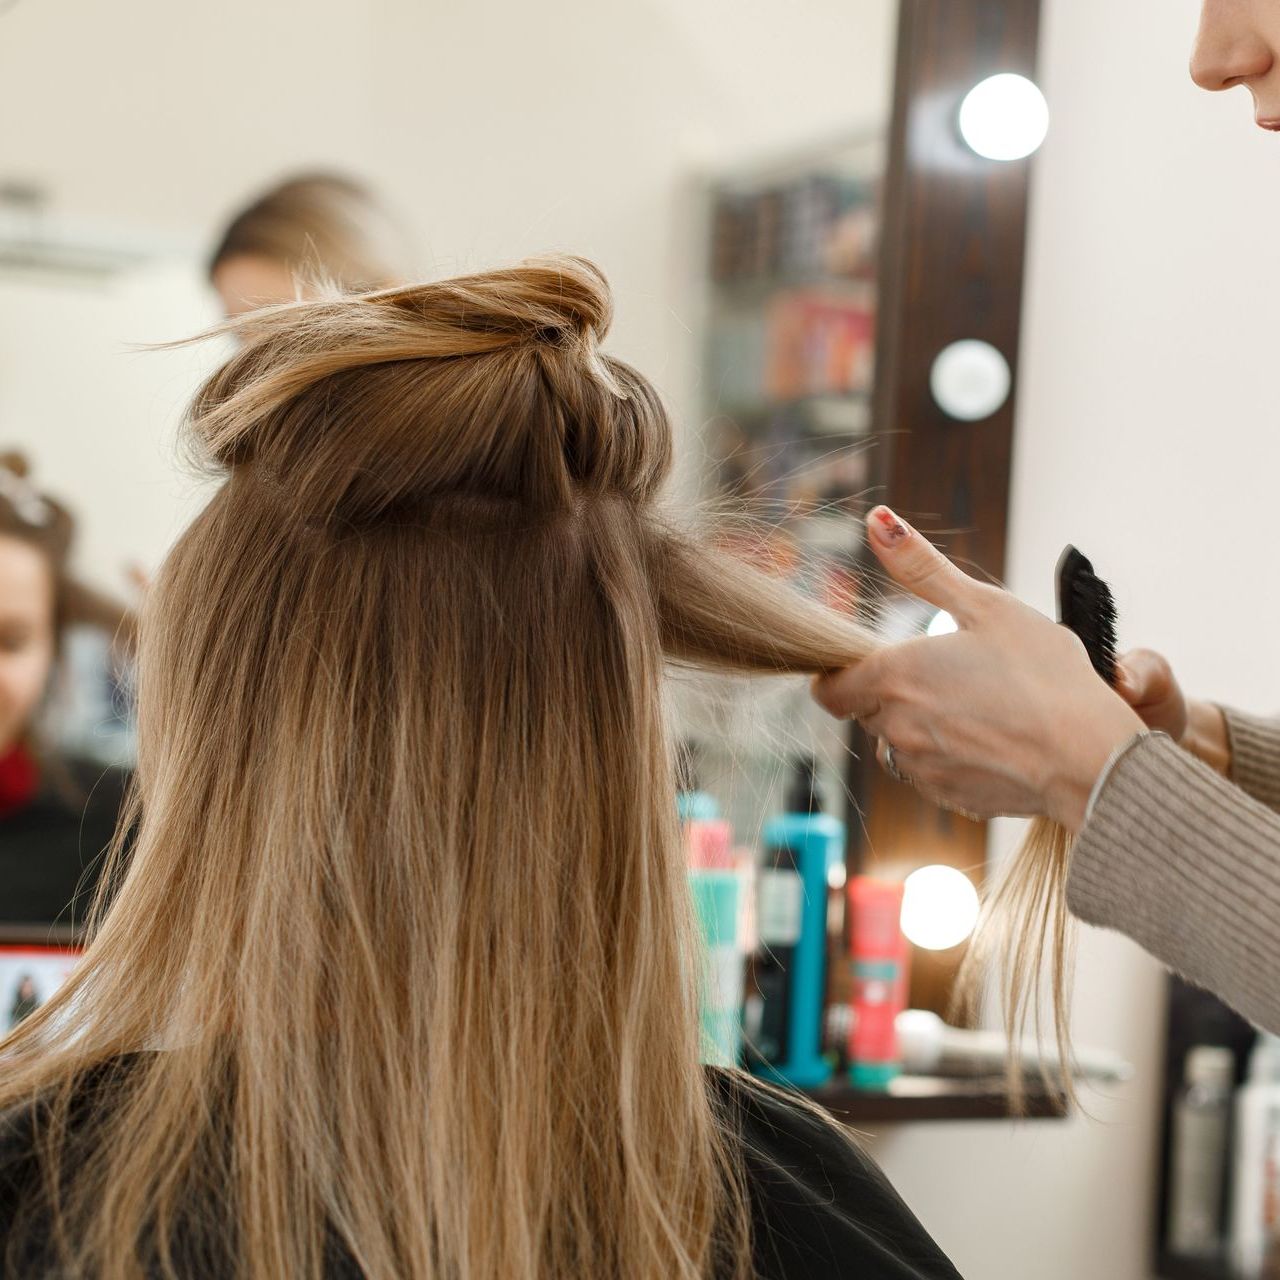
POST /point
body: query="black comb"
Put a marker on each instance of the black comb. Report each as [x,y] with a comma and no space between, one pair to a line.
[1087,607]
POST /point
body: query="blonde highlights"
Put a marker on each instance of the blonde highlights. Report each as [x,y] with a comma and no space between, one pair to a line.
[1025,937]
[400,966]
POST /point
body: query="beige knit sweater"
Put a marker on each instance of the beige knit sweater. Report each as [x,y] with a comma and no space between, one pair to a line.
[1188,865]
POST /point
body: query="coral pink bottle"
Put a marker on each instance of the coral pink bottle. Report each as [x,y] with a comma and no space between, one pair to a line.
[880,956]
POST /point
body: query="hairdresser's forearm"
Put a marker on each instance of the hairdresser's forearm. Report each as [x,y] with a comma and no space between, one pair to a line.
[1188,866]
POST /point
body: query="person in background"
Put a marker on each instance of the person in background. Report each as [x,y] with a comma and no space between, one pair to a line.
[56,815]
[26,1000]
[308,229]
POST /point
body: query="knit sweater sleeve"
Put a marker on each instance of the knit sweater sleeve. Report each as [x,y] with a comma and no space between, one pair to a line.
[1187,865]
[1255,755]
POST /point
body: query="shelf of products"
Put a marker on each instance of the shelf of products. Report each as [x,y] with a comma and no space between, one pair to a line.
[1218,1208]
[915,1098]
[790,343]
[788,372]
[792,310]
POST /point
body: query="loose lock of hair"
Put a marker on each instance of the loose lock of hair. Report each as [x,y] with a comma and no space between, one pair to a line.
[401,961]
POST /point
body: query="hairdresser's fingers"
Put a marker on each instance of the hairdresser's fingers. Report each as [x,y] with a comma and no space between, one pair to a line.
[912,562]
[1146,682]
[1144,678]
[850,694]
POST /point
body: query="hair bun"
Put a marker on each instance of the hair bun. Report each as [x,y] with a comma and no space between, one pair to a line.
[574,295]
[561,303]
[490,384]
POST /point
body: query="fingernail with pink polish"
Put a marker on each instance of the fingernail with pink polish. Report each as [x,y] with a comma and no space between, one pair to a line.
[888,529]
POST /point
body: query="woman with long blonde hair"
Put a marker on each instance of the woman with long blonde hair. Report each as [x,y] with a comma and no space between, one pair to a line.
[399,978]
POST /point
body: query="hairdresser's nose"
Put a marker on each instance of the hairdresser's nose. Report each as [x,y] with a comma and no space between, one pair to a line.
[1228,50]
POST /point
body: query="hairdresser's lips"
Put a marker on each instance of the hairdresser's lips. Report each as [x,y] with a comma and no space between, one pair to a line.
[1272,125]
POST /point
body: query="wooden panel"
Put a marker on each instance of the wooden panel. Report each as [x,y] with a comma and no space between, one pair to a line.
[951,268]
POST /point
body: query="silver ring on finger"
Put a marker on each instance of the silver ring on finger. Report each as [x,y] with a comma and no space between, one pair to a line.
[891,766]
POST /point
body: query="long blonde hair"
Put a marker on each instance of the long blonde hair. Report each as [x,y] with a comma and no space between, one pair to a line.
[405,919]
[406,909]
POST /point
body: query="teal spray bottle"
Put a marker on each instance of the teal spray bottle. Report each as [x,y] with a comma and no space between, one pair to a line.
[802,845]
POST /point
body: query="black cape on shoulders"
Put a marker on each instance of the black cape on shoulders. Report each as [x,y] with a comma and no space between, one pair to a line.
[821,1209]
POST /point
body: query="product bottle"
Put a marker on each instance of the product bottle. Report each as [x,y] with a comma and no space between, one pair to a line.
[1198,1158]
[801,847]
[1255,1188]
[880,957]
[717,901]
[708,839]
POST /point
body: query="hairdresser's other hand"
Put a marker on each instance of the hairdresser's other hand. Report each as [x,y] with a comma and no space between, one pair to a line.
[1145,680]
[1005,716]
[1148,685]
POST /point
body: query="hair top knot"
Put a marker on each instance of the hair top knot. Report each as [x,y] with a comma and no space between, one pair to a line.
[493,384]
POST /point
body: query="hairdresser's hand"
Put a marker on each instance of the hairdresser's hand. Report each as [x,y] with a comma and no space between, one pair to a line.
[1006,716]
[1147,684]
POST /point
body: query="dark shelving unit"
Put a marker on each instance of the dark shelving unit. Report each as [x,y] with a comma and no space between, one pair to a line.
[1173,1267]
[914,1098]
[1194,1017]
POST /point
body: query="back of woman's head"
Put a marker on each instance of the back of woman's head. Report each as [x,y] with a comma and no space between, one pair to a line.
[407,910]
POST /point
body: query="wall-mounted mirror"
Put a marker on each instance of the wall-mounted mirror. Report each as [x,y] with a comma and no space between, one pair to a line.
[722,166]
[745,184]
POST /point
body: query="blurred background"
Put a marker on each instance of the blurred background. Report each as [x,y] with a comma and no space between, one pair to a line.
[739,171]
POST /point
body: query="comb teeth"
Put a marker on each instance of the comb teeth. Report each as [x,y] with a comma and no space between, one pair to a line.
[1088,608]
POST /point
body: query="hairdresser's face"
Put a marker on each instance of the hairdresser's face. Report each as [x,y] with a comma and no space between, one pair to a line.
[247,281]
[26,635]
[1239,44]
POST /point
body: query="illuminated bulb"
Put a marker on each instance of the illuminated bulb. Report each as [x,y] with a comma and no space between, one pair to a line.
[942,624]
[1004,117]
[970,380]
[939,907]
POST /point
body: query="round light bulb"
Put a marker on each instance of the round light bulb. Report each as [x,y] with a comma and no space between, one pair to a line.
[941,624]
[939,907]
[970,380]
[1004,118]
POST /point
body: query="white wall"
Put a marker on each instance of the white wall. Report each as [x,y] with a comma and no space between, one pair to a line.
[1148,435]
[96,414]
